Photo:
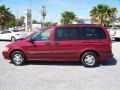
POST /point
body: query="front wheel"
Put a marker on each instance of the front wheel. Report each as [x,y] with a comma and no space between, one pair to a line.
[18,58]
[89,59]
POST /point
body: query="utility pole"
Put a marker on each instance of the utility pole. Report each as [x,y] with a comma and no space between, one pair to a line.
[28,17]
[17,17]
[31,14]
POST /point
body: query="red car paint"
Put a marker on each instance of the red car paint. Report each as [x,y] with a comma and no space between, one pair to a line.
[68,50]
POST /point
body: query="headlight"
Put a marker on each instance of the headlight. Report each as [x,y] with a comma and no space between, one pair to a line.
[5,49]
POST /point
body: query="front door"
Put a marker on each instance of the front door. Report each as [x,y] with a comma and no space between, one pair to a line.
[39,47]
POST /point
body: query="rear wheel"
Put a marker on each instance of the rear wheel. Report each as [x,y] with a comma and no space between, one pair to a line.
[89,59]
[117,39]
[13,39]
[18,58]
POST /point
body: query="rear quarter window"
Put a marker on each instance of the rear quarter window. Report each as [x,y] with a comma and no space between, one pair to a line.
[89,33]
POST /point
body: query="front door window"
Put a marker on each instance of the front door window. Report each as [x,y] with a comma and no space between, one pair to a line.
[42,36]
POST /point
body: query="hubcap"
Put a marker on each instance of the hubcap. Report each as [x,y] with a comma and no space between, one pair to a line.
[89,60]
[17,58]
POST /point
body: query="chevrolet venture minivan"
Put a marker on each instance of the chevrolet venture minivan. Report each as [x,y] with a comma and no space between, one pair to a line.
[87,43]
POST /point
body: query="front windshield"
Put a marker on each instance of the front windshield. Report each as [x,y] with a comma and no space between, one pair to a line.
[42,36]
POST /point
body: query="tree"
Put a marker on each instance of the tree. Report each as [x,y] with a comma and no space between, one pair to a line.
[22,18]
[67,17]
[7,19]
[54,24]
[118,18]
[35,22]
[12,21]
[79,20]
[103,14]
[20,21]
[49,24]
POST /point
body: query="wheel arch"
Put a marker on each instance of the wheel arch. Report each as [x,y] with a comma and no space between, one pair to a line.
[90,51]
[13,37]
[16,50]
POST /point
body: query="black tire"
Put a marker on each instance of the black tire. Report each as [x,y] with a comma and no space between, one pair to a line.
[86,57]
[117,39]
[18,58]
[13,39]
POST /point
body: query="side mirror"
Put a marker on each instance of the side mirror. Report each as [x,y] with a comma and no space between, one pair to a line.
[31,40]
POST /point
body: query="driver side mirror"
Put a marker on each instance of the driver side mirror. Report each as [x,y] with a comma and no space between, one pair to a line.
[31,40]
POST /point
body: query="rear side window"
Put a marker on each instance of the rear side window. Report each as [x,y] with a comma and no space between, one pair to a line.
[89,33]
[79,33]
[66,33]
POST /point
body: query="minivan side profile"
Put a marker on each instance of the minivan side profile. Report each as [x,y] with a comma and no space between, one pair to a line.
[87,43]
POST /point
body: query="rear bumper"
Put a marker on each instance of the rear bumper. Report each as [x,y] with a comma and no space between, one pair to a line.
[6,54]
[107,55]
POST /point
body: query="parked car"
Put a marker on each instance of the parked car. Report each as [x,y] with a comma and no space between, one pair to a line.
[115,33]
[86,43]
[12,35]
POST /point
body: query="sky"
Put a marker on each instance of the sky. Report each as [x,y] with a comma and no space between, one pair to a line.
[54,8]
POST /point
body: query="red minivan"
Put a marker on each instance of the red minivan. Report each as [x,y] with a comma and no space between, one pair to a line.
[87,43]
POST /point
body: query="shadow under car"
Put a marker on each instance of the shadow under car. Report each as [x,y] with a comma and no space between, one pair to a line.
[110,62]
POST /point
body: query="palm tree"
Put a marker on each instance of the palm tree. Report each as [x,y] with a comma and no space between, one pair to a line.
[6,17]
[79,20]
[111,15]
[103,14]
[10,21]
[67,17]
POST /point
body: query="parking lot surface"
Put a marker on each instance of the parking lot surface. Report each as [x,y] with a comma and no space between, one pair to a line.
[60,75]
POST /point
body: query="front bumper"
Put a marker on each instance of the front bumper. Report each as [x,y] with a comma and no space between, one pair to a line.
[6,55]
